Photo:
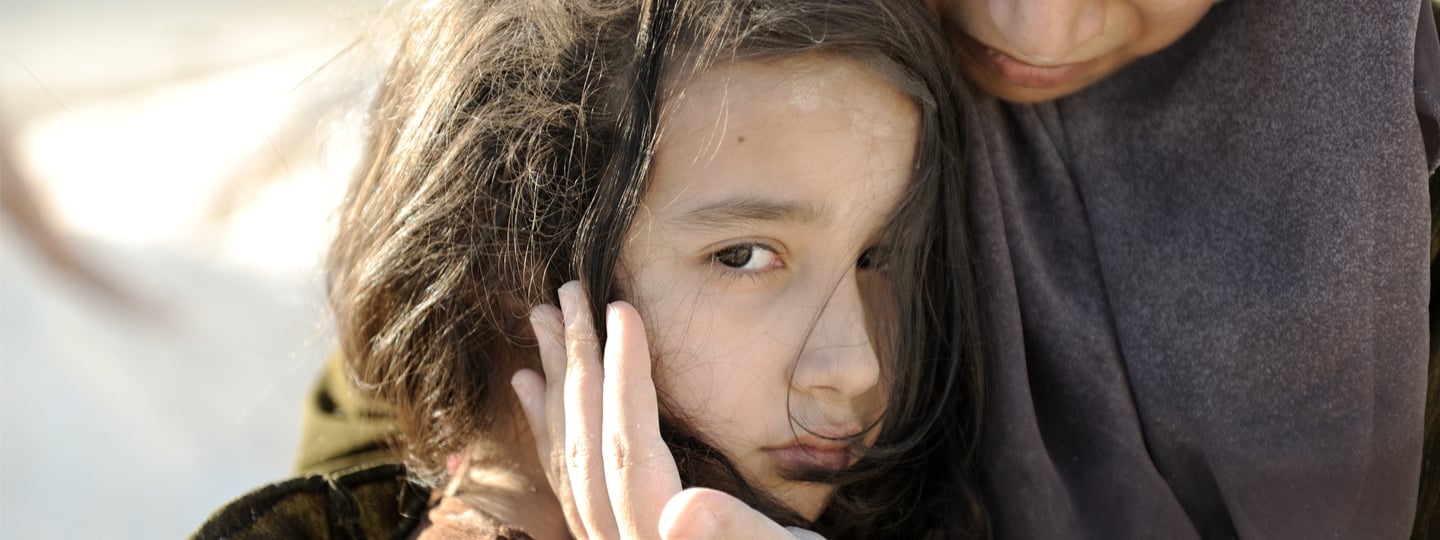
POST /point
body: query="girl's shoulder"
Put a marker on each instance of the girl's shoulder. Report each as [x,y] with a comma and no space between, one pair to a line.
[370,501]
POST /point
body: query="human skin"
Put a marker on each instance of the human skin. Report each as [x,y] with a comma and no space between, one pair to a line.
[745,262]
[684,294]
[1038,50]
[744,259]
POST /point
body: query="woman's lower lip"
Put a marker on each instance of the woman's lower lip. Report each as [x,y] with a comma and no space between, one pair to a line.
[801,458]
[1026,75]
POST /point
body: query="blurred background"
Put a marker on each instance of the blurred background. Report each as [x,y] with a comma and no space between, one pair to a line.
[169,170]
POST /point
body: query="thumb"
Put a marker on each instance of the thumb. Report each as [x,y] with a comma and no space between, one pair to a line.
[706,514]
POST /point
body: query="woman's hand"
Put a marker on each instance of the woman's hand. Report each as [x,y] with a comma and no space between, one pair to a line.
[597,429]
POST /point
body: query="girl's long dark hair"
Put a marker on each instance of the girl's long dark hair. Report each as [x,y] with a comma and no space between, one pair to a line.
[510,146]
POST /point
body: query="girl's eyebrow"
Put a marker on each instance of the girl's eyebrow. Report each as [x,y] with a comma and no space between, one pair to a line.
[745,209]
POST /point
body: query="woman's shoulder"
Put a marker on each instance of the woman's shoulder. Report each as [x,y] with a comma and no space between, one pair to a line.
[370,501]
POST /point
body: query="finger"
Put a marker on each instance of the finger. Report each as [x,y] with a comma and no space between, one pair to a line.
[548,325]
[583,416]
[546,411]
[640,472]
[529,388]
[706,514]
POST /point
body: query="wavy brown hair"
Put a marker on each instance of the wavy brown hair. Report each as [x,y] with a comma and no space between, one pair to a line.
[510,146]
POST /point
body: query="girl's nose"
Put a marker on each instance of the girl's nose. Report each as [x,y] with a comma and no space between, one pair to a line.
[838,362]
[1046,31]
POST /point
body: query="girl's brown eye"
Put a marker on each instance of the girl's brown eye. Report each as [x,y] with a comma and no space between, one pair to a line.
[746,257]
[734,257]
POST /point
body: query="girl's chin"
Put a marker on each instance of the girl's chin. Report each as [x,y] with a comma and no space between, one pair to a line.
[807,499]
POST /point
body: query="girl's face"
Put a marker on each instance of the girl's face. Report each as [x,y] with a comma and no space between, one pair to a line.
[1037,50]
[749,259]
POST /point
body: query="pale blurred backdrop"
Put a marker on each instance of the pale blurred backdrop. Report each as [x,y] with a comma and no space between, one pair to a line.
[188,156]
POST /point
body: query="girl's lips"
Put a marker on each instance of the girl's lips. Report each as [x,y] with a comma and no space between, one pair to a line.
[811,454]
[1025,75]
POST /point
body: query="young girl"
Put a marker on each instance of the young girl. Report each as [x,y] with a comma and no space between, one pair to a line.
[770,185]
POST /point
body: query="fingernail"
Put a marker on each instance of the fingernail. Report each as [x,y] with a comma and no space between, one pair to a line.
[522,390]
[612,317]
[530,390]
[540,323]
[568,300]
[518,385]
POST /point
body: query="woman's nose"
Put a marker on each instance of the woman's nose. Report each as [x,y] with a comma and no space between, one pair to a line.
[838,361]
[1045,31]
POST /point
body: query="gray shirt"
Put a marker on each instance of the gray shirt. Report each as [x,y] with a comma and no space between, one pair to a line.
[1205,282]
